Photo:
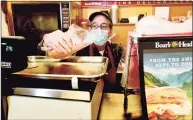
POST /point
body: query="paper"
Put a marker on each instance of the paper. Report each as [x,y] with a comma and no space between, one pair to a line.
[162,12]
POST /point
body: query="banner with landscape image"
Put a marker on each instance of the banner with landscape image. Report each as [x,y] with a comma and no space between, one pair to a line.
[168,85]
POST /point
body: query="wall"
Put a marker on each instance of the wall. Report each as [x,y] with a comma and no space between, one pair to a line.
[88,11]
[121,31]
[179,10]
[135,11]
[125,12]
[176,10]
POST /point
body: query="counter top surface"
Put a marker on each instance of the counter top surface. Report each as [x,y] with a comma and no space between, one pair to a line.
[112,106]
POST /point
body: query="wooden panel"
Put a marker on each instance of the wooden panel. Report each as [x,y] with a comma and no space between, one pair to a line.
[126,12]
[88,11]
[176,10]
[10,19]
[180,10]
[131,11]
[122,33]
[4,20]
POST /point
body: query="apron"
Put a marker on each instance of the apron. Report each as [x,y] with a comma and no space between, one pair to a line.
[111,77]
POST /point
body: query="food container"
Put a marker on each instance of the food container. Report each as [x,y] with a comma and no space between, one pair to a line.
[84,68]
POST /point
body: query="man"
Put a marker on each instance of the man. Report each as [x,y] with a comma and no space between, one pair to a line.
[101,25]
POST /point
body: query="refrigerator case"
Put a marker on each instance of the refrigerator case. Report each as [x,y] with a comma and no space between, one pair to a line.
[58,89]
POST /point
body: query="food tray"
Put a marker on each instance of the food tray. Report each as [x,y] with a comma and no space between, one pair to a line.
[84,68]
[42,59]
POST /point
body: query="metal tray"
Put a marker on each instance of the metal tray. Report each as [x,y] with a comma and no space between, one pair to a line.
[85,68]
[41,59]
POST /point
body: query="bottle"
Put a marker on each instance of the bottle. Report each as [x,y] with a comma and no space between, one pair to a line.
[114,12]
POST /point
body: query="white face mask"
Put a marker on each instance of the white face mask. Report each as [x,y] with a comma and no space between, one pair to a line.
[98,37]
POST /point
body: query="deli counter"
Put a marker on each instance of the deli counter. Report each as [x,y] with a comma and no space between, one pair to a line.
[155,81]
[41,87]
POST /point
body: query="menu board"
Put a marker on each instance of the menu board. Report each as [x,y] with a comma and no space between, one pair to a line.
[166,77]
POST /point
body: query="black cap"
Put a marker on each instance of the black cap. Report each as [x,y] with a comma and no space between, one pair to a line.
[106,15]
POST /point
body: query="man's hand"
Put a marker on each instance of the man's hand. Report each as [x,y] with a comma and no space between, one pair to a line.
[59,43]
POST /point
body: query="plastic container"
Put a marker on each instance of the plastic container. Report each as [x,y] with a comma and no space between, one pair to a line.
[114,13]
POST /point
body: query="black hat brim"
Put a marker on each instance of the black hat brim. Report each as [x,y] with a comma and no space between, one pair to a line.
[93,15]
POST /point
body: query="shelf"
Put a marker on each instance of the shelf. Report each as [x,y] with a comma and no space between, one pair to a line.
[123,24]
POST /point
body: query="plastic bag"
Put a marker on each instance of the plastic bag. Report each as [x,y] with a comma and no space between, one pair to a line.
[153,25]
[82,38]
[79,37]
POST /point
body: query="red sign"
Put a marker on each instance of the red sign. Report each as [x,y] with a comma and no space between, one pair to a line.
[95,3]
[104,3]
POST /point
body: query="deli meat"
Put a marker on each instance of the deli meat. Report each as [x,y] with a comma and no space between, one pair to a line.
[166,103]
[165,95]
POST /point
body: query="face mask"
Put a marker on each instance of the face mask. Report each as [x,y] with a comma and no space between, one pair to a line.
[101,37]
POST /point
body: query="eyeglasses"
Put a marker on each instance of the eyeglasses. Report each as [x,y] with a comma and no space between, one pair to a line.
[102,26]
